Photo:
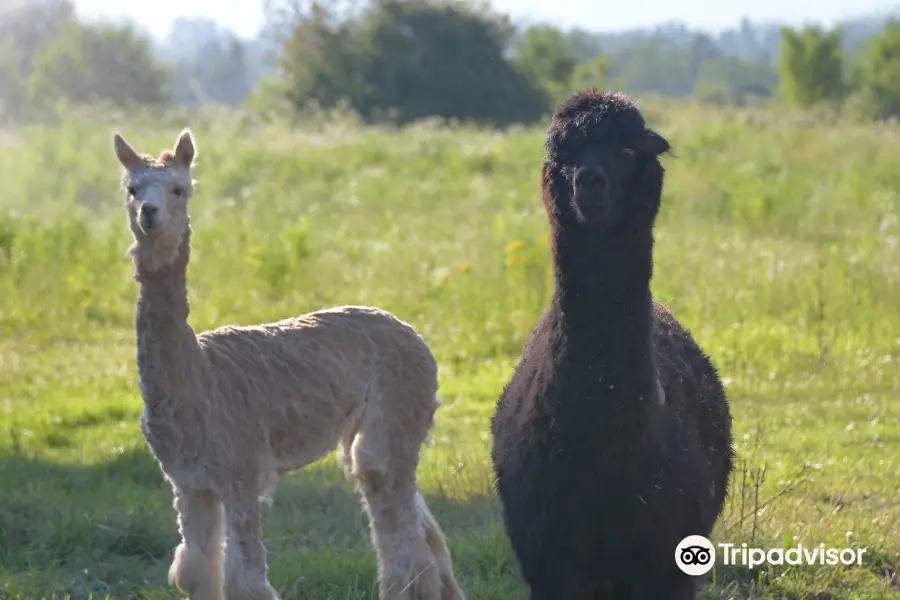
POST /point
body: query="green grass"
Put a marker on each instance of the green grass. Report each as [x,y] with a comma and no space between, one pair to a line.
[778,246]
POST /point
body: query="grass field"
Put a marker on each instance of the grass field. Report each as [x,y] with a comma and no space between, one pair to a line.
[778,245]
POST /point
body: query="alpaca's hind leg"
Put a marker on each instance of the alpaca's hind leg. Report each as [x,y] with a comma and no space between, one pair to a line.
[197,567]
[245,555]
[385,472]
[407,570]
[438,544]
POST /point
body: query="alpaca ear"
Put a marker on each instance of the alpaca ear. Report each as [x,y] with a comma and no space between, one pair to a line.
[185,149]
[654,144]
[129,159]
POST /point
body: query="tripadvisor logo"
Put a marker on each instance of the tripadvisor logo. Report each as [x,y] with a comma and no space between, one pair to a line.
[696,555]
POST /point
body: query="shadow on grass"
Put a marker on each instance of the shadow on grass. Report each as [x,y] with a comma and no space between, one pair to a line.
[109,530]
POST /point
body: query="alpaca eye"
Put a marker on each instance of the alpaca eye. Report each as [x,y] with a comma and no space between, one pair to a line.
[130,191]
[179,192]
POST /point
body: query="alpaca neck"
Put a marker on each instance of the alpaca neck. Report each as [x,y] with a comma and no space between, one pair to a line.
[604,302]
[167,346]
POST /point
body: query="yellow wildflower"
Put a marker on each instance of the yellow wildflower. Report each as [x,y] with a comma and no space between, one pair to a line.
[515,245]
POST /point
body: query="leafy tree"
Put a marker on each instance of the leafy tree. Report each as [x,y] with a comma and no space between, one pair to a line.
[409,59]
[323,58]
[702,49]
[230,77]
[12,84]
[811,66]
[543,53]
[429,58]
[210,63]
[738,77]
[653,64]
[84,64]
[216,73]
[30,25]
[591,73]
[879,73]
[583,45]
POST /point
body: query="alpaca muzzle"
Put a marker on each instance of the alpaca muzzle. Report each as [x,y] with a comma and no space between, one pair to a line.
[590,192]
[590,178]
[148,218]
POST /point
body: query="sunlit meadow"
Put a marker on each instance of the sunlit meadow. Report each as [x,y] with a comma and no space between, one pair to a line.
[777,246]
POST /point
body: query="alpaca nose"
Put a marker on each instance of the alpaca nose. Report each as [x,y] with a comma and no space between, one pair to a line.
[146,216]
[589,177]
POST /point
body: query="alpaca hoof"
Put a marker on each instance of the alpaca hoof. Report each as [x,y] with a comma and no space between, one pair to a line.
[195,574]
[250,589]
[426,585]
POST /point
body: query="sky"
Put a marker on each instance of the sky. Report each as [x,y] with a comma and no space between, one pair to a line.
[245,16]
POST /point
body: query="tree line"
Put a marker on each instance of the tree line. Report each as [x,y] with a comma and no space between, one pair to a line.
[48,56]
[403,60]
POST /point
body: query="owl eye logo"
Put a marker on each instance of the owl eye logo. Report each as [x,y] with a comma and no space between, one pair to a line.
[695,555]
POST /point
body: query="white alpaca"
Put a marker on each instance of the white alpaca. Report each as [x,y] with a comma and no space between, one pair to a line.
[228,411]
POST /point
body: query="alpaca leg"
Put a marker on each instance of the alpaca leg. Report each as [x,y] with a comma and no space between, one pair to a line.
[407,569]
[245,555]
[384,467]
[438,544]
[197,567]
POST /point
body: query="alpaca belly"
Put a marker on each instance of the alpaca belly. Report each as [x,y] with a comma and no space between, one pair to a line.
[306,434]
[658,500]
[297,458]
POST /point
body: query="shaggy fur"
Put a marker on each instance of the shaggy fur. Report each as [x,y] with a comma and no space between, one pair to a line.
[612,441]
[226,412]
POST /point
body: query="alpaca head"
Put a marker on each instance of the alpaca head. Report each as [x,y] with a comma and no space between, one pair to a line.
[602,170]
[157,193]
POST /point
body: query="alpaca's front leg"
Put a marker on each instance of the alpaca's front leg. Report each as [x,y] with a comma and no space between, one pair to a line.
[197,568]
[245,555]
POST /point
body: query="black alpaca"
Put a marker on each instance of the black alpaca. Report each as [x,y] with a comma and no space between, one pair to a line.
[612,441]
